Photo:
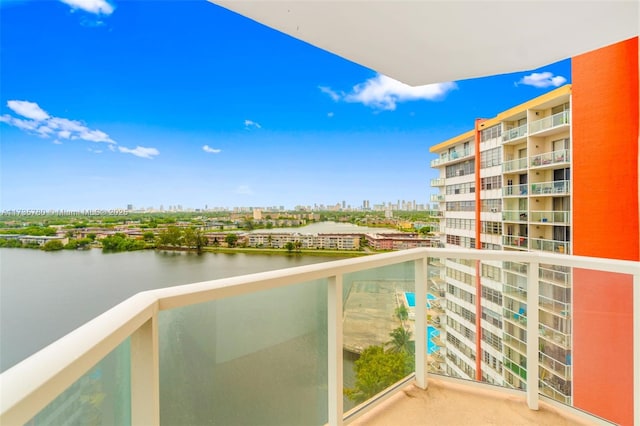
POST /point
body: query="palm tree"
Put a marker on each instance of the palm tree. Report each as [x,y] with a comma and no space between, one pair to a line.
[400,341]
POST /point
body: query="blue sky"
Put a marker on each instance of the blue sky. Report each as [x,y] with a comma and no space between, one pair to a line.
[104,104]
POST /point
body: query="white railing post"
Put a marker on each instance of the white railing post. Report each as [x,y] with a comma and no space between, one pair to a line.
[145,370]
[636,349]
[334,350]
[532,335]
[421,269]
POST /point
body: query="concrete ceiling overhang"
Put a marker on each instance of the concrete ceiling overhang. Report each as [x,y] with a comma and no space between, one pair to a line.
[422,42]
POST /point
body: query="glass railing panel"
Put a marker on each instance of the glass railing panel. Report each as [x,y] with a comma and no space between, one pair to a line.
[549,245]
[515,190]
[554,274]
[550,188]
[555,120]
[100,397]
[602,337]
[561,156]
[259,358]
[516,241]
[518,164]
[514,215]
[514,133]
[378,330]
[550,216]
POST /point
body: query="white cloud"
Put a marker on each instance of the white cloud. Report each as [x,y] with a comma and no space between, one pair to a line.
[42,124]
[95,151]
[210,150]
[57,142]
[332,94]
[330,114]
[28,109]
[244,190]
[140,151]
[542,80]
[98,7]
[249,123]
[382,92]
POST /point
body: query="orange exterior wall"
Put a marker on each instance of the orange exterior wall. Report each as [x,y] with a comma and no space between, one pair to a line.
[605,224]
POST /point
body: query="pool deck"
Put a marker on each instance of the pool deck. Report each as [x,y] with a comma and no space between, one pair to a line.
[369,314]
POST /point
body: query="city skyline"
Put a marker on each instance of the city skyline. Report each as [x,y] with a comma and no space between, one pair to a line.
[165,103]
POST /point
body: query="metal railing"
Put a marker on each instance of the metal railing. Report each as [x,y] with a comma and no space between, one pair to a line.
[28,387]
[436,197]
[555,120]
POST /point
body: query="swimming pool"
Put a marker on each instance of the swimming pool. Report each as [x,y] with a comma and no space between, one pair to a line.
[432,332]
[411,299]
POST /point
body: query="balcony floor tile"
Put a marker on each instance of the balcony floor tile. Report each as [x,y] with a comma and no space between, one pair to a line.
[445,403]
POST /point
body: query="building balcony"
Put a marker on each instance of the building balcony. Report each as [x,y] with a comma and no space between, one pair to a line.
[514,165]
[452,157]
[437,182]
[548,125]
[515,190]
[515,241]
[514,215]
[436,198]
[514,135]
[559,217]
[542,244]
[550,159]
[558,187]
[270,348]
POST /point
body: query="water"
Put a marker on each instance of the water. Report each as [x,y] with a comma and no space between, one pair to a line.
[45,295]
[255,359]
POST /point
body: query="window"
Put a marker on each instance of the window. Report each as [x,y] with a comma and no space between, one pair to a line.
[491,205]
[460,206]
[491,133]
[491,182]
[490,158]
[460,169]
[494,228]
[492,295]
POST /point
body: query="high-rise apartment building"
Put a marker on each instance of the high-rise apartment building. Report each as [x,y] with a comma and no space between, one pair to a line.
[555,174]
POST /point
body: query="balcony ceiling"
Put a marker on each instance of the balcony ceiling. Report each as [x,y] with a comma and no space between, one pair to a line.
[422,42]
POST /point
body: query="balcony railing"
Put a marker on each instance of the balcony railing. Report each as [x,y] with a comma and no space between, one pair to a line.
[517,241]
[550,188]
[437,182]
[550,158]
[551,216]
[515,190]
[273,340]
[514,165]
[549,245]
[555,120]
[514,215]
[436,198]
[452,156]
[515,133]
